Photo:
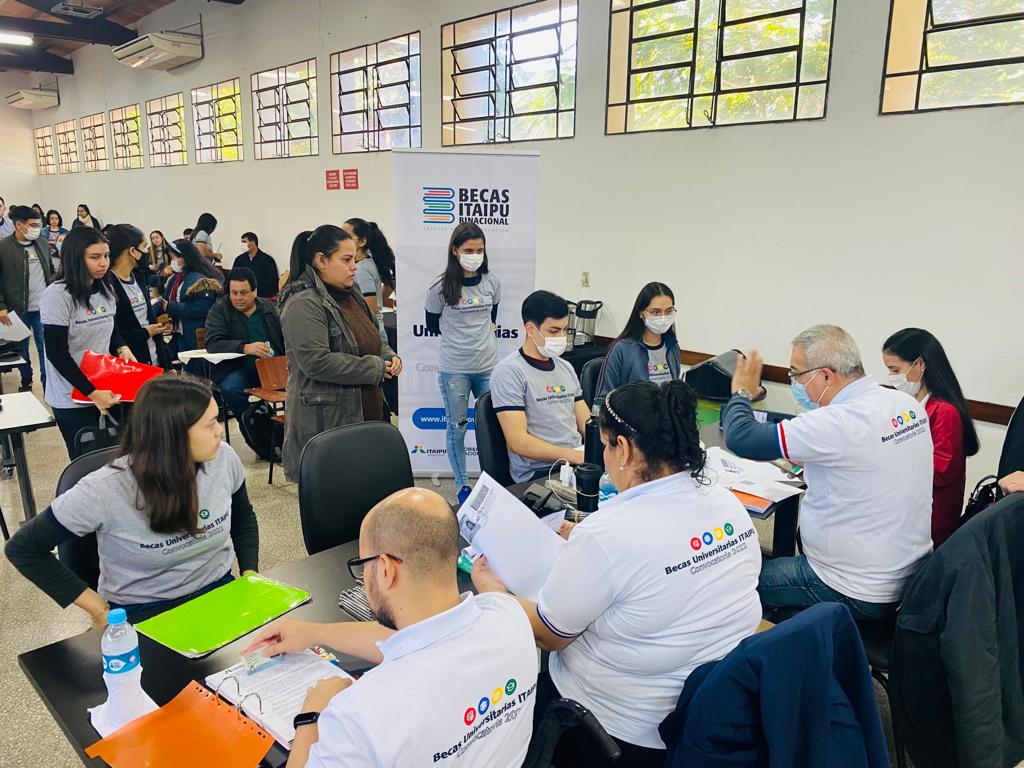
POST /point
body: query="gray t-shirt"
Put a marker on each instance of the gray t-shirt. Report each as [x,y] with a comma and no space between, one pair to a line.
[202,236]
[89,328]
[548,395]
[658,371]
[36,278]
[467,341]
[137,298]
[137,564]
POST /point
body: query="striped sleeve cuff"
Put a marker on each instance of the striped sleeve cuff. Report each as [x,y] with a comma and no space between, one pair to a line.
[555,630]
[510,408]
[781,433]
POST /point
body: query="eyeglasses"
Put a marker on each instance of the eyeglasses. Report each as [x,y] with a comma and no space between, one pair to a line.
[794,375]
[357,565]
[670,312]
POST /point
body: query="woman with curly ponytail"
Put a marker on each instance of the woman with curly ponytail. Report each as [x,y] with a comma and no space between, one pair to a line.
[662,578]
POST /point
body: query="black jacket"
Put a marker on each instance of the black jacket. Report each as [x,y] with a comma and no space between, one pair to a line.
[225,332]
[131,330]
[265,269]
[958,654]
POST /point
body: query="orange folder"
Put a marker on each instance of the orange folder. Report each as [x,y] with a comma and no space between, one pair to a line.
[112,373]
[195,729]
[754,504]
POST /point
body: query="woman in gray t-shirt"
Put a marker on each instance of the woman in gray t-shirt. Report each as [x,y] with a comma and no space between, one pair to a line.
[201,237]
[462,306]
[170,513]
[375,266]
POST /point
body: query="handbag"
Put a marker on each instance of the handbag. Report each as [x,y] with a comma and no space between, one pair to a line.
[105,434]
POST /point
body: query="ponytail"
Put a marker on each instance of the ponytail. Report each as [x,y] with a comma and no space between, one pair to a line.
[378,247]
[307,244]
[661,421]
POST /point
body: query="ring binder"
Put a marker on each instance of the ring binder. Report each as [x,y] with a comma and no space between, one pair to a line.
[245,698]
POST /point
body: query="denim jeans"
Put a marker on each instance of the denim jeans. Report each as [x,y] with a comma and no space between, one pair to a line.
[790,582]
[232,387]
[162,605]
[455,389]
[35,324]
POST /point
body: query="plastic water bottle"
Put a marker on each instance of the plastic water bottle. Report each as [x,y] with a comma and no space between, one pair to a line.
[606,489]
[122,671]
[270,346]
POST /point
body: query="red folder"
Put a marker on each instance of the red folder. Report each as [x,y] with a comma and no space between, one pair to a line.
[113,373]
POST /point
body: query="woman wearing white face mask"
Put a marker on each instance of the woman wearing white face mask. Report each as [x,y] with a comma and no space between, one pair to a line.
[918,365]
[462,306]
[647,349]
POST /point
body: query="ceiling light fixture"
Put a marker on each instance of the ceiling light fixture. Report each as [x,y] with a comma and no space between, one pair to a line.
[14,38]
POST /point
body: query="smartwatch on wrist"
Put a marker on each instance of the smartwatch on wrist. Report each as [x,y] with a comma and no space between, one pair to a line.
[745,393]
[305,718]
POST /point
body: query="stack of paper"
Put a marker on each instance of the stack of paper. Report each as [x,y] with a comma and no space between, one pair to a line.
[757,484]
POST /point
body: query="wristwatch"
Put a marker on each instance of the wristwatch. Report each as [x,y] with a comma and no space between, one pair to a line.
[741,392]
[305,718]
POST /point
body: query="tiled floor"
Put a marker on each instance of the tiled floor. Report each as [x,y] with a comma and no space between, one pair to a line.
[29,738]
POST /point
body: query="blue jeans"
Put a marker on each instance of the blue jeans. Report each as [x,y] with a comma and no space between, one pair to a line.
[232,387]
[161,605]
[35,324]
[789,582]
[455,389]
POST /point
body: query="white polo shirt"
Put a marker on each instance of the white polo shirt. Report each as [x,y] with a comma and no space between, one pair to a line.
[659,580]
[457,688]
[865,521]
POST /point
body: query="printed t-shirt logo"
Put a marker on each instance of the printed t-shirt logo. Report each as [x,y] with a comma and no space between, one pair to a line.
[709,537]
[907,417]
[486,702]
[204,514]
[657,367]
[555,390]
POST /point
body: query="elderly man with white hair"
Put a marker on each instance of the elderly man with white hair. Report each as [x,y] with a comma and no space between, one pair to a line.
[867,457]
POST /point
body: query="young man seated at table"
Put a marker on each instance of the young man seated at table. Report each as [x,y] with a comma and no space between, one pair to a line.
[865,521]
[446,662]
[241,322]
[537,396]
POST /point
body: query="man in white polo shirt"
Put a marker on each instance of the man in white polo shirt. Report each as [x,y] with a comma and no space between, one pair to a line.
[867,457]
[456,676]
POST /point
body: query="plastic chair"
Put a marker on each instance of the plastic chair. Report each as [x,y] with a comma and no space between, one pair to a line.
[81,555]
[561,716]
[589,378]
[273,373]
[343,473]
[490,441]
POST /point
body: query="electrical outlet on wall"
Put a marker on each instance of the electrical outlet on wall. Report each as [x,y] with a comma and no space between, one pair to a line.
[585,280]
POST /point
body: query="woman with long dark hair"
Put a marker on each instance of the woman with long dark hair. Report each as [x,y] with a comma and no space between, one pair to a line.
[918,365]
[54,233]
[336,357]
[77,312]
[200,236]
[86,219]
[626,617]
[171,513]
[375,263]
[135,319]
[189,299]
[462,306]
[647,349]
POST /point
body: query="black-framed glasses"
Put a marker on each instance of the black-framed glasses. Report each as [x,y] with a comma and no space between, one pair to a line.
[794,375]
[357,565]
[670,312]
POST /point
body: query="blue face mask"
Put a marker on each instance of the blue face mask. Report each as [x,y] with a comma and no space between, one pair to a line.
[800,394]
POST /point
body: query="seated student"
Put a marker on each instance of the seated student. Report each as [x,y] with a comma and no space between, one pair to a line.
[918,365]
[865,521]
[242,322]
[170,513]
[466,656]
[647,349]
[538,397]
[639,597]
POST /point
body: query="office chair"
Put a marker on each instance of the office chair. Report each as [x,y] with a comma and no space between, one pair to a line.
[490,442]
[81,555]
[561,716]
[343,473]
[589,378]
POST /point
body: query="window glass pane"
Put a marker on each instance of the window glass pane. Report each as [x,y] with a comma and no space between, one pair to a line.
[772,69]
[949,11]
[969,44]
[756,106]
[1001,84]
[662,82]
[657,116]
[743,9]
[664,50]
[762,35]
[285,111]
[664,18]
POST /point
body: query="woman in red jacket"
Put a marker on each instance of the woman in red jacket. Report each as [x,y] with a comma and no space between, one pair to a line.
[918,365]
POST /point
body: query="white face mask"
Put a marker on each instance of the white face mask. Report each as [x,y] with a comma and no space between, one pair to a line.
[553,346]
[658,325]
[175,267]
[33,233]
[471,262]
[899,381]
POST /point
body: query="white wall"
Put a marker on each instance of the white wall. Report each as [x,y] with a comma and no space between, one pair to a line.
[19,182]
[871,222]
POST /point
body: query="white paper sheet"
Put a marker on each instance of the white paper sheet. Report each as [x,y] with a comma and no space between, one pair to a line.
[202,354]
[16,331]
[519,547]
[765,489]
[730,467]
[282,690]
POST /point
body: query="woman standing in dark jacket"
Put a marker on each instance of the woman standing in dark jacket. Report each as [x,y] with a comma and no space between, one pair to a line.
[134,318]
[336,358]
[191,298]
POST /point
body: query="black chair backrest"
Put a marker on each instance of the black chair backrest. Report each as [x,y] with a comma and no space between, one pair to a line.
[81,555]
[1012,457]
[343,473]
[588,379]
[490,441]
[565,718]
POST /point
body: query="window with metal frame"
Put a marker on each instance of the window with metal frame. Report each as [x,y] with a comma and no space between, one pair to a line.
[126,136]
[945,54]
[46,163]
[217,118]
[165,121]
[375,99]
[510,75]
[94,143]
[680,64]
[284,111]
[67,147]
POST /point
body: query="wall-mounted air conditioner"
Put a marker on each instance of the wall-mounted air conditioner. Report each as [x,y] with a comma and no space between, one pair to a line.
[160,50]
[34,98]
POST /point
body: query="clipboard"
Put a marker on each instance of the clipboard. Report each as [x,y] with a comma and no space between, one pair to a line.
[195,728]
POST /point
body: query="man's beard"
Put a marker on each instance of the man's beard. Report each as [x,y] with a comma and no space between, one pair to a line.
[379,608]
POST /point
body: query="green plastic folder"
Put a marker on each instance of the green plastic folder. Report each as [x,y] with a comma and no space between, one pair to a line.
[222,615]
[708,413]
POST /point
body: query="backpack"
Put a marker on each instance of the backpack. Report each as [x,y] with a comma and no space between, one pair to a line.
[260,431]
[106,434]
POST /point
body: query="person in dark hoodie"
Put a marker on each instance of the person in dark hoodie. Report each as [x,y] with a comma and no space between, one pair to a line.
[189,299]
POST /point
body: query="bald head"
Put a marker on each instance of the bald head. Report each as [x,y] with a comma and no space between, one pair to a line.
[417,526]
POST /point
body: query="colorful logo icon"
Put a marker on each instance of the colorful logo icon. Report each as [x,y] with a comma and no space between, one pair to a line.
[496,695]
[555,390]
[438,205]
[695,543]
[204,514]
[904,418]
[483,705]
[469,716]
[719,534]
[728,529]
[510,686]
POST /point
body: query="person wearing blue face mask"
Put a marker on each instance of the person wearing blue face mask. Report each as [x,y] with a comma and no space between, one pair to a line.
[865,521]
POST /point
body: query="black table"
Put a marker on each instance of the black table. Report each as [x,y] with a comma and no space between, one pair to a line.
[68,675]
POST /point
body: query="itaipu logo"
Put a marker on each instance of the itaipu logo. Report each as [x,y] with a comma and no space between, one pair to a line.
[428,451]
[904,418]
[555,390]
[438,205]
[480,205]
[471,302]
[89,311]
[486,702]
[710,537]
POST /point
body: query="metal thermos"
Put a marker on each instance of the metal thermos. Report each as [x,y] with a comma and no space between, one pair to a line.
[593,451]
[588,481]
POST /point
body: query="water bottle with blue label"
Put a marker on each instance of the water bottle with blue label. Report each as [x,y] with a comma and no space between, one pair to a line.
[606,489]
[122,671]
[270,347]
